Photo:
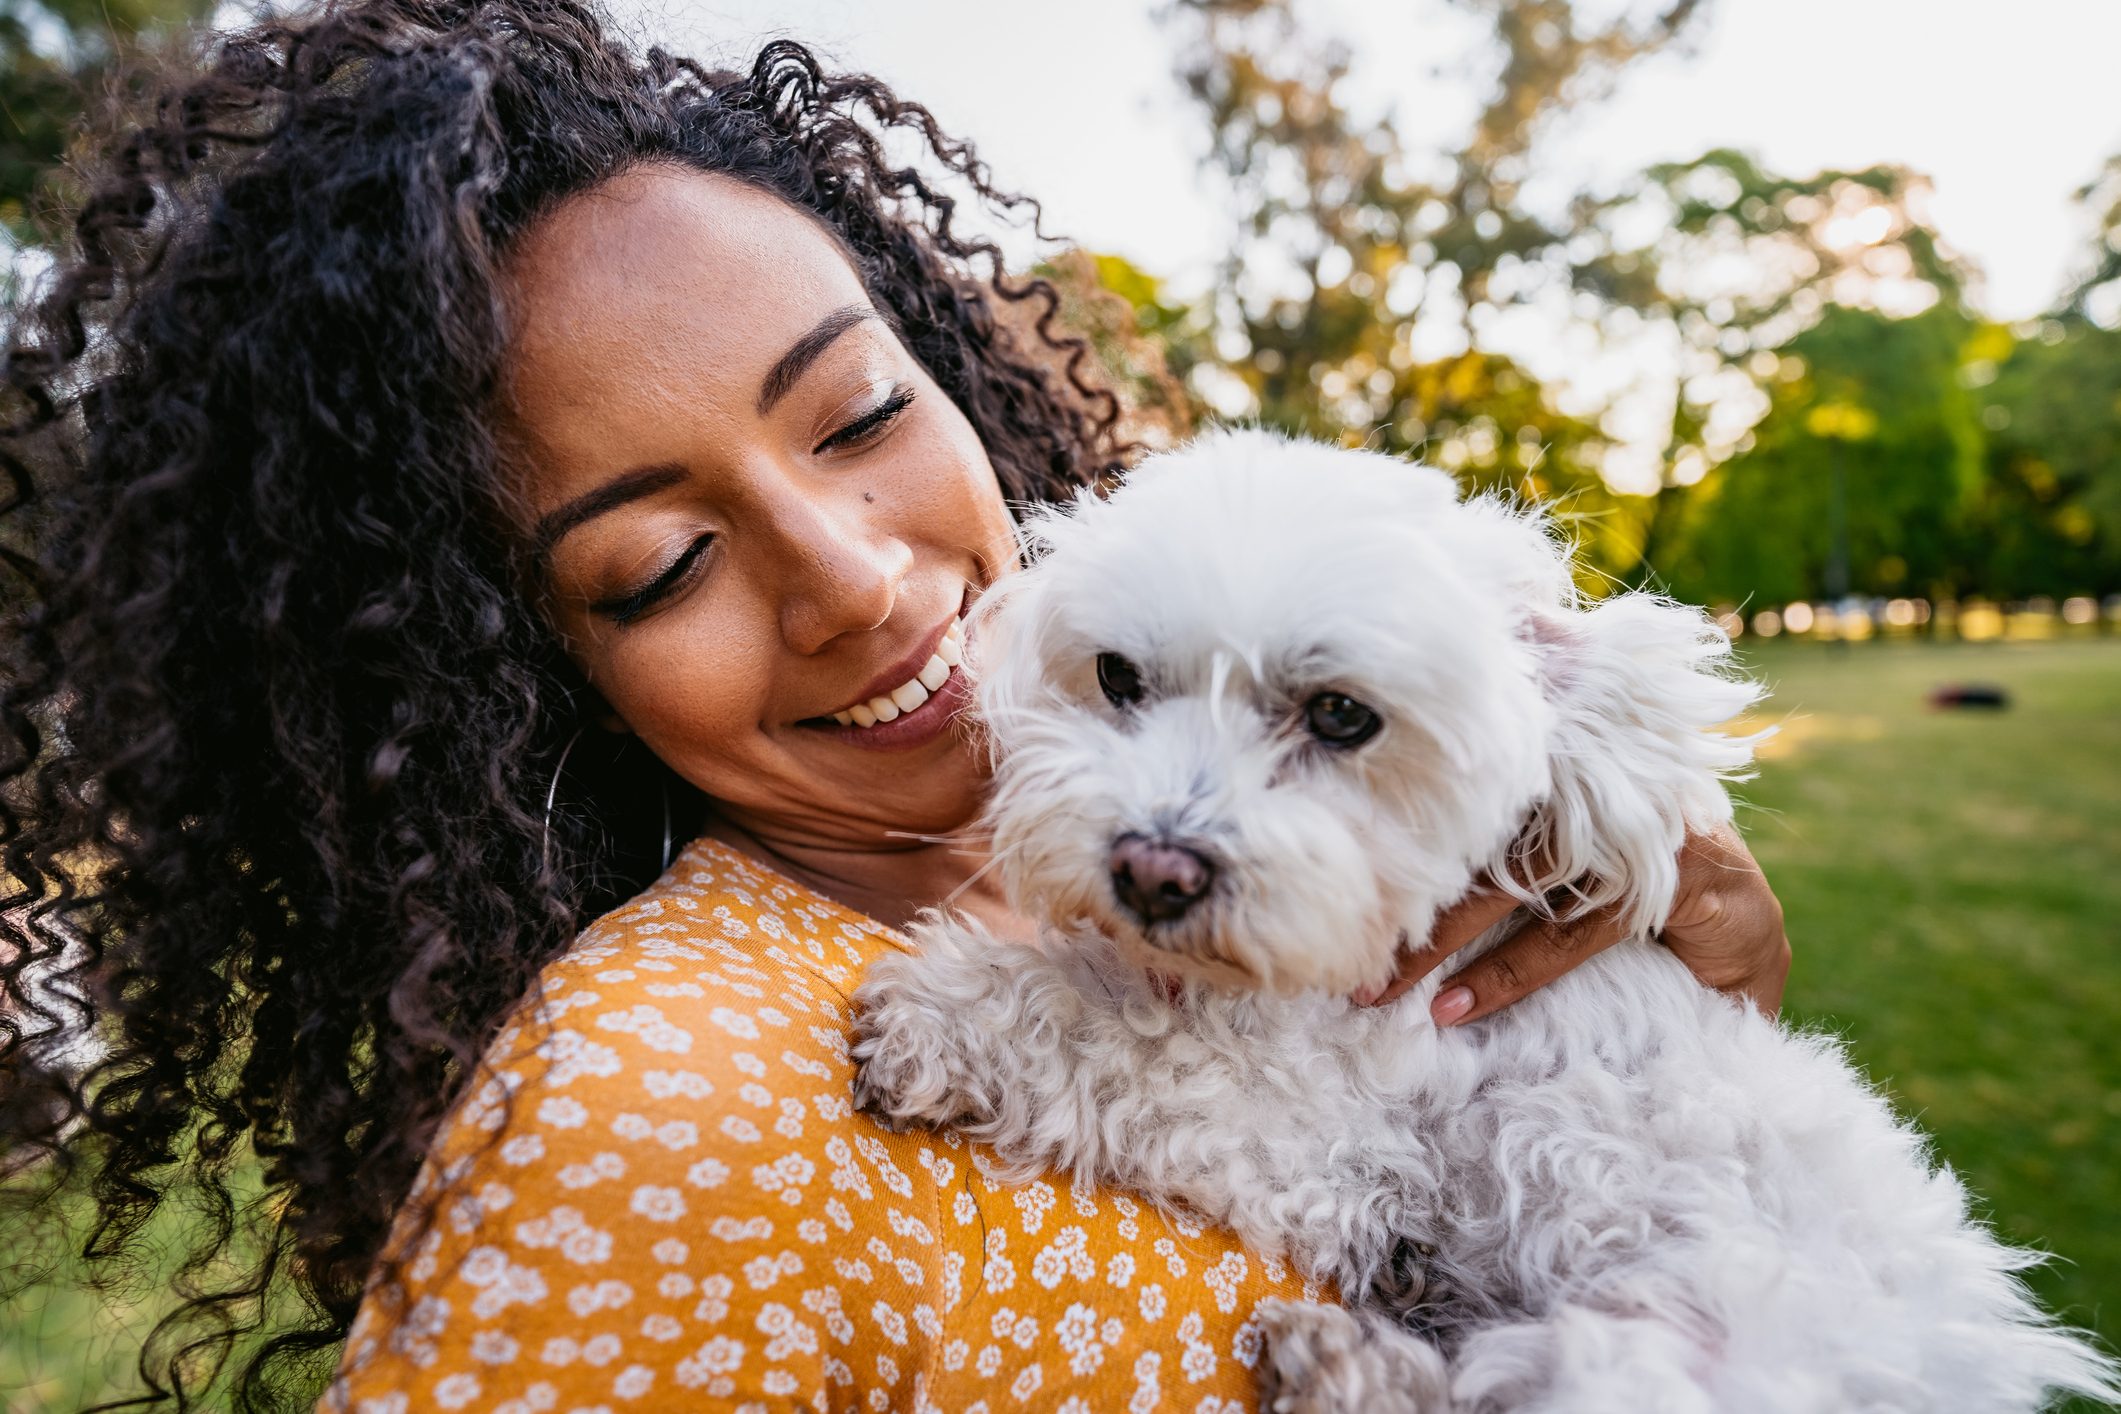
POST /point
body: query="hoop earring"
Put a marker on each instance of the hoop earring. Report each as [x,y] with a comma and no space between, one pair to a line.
[552,793]
[666,826]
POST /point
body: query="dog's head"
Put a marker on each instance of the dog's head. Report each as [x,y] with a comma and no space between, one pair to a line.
[1269,707]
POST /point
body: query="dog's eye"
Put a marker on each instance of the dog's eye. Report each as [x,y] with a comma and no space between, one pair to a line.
[1339,720]
[1120,679]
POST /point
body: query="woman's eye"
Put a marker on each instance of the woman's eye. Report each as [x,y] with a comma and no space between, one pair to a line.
[1120,680]
[623,609]
[870,425]
[1339,720]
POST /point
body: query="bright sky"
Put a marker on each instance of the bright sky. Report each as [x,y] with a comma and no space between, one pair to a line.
[2008,106]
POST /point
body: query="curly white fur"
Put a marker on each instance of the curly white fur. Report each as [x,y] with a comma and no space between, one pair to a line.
[1625,1193]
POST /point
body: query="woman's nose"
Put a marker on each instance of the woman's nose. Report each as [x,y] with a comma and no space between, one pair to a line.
[843,573]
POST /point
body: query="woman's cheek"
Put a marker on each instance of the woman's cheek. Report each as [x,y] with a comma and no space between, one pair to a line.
[695,696]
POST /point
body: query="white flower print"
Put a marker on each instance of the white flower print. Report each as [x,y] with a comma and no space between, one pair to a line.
[1027,1382]
[717,1357]
[1034,1201]
[1247,1345]
[735,1023]
[788,1335]
[676,1085]
[494,1348]
[456,1391]
[1223,1279]
[523,1149]
[658,1204]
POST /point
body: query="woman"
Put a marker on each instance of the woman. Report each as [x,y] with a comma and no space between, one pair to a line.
[497,460]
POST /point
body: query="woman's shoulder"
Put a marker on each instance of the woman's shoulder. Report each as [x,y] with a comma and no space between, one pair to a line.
[721,994]
[645,1170]
[661,1194]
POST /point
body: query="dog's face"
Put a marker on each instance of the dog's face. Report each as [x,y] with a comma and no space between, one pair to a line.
[1265,710]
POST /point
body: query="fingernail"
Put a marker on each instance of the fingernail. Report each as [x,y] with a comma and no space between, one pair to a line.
[1451,1005]
[1367,996]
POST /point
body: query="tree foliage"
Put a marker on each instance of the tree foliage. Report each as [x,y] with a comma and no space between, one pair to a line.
[1362,268]
[1879,402]
[1825,327]
[2049,514]
[2095,295]
[1990,462]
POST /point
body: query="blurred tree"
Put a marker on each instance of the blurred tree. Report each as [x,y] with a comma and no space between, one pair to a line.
[1995,463]
[1872,400]
[2095,296]
[1742,260]
[2049,517]
[1362,272]
[1825,401]
[57,57]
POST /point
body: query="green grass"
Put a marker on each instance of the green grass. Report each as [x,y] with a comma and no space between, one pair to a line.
[1952,882]
[1953,885]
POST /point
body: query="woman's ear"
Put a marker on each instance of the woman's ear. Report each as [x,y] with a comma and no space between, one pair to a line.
[1643,691]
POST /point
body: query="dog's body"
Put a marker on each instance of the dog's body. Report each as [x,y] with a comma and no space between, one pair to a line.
[1625,1193]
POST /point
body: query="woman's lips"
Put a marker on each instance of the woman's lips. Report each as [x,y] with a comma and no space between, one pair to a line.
[919,707]
[909,729]
[908,668]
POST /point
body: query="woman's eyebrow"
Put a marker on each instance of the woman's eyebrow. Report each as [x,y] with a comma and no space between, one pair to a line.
[642,481]
[804,351]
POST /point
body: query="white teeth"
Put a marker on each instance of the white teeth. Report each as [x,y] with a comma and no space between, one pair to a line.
[949,655]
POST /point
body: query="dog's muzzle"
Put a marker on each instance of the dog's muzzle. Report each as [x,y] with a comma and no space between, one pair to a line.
[1158,880]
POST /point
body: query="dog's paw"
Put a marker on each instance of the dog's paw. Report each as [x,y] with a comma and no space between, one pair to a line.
[1306,1345]
[911,1070]
[1319,1359]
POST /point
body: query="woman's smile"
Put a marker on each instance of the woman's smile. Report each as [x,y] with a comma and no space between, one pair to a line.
[911,702]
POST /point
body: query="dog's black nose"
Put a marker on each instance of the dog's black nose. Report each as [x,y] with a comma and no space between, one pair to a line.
[1156,880]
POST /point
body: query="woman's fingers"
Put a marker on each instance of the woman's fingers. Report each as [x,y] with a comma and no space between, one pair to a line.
[1458,925]
[1523,963]
[1726,924]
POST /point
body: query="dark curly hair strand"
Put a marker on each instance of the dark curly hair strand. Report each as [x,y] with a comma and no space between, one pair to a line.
[279,719]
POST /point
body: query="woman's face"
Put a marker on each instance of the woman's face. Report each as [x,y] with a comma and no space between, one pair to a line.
[751,507]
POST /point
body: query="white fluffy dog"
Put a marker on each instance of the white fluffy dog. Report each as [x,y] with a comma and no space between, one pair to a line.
[1258,717]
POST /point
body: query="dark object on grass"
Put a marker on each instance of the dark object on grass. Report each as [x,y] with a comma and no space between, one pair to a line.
[1970,694]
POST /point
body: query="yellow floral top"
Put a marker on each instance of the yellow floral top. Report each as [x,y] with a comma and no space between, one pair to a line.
[665,1201]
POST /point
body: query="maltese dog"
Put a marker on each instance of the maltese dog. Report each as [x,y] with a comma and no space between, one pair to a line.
[1258,717]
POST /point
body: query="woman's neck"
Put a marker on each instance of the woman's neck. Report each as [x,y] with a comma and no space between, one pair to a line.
[890,883]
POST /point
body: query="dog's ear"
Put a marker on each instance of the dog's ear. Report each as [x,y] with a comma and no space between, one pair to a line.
[1643,690]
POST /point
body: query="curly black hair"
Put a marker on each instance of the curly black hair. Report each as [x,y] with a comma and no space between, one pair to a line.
[279,718]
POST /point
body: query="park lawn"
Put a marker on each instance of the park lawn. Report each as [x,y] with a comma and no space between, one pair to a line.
[1952,883]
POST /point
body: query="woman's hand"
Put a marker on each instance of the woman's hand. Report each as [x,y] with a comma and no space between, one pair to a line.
[1725,925]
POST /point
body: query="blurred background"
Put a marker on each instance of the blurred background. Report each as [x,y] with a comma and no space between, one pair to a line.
[1804,310]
